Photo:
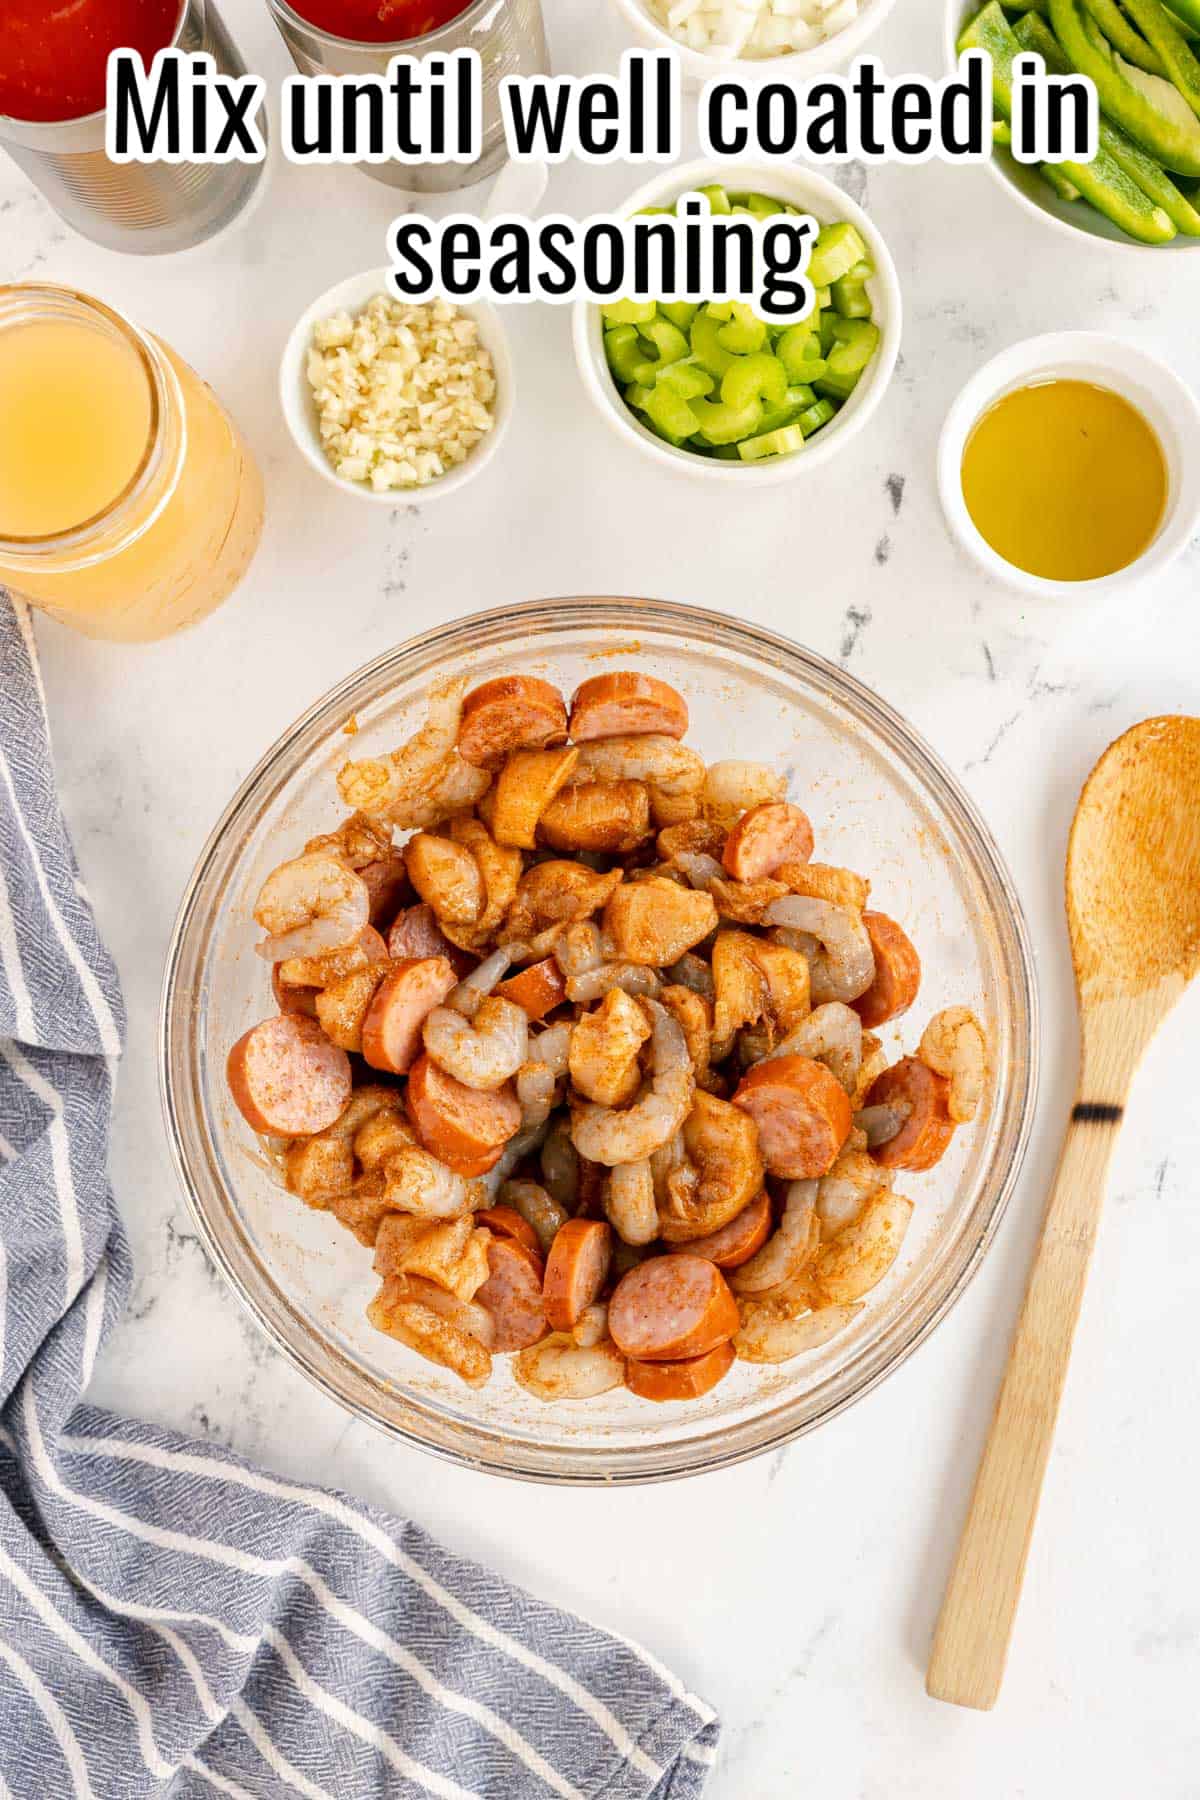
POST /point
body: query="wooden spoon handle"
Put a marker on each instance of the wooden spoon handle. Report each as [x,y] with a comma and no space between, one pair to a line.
[970,1646]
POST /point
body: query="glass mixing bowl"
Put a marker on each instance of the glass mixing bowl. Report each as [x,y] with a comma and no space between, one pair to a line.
[880,802]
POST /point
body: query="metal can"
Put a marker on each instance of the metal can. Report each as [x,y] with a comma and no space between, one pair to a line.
[146,208]
[509,36]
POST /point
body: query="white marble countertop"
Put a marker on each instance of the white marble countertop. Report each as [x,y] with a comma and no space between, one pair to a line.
[797,1593]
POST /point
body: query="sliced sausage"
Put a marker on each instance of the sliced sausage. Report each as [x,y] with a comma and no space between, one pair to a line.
[416,933]
[287,1078]
[463,1127]
[512,1294]
[738,1241]
[391,1030]
[515,712]
[523,790]
[538,989]
[770,834]
[897,972]
[685,1380]
[292,999]
[802,1113]
[575,1270]
[387,885]
[924,1099]
[671,1307]
[611,817]
[506,1222]
[626,704]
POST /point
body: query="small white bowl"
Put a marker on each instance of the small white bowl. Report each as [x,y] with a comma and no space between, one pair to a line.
[300,411]
[1166,403]
[699,66]
[1075,219]
[827,203]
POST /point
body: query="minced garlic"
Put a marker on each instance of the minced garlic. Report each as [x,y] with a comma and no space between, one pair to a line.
[403,392]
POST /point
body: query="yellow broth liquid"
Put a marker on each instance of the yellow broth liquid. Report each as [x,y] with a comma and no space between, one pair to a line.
[1065,480]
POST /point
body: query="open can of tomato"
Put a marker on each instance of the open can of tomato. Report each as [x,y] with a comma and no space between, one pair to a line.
[359,37]
[52,122]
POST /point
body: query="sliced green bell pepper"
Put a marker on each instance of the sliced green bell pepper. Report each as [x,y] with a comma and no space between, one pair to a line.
[1153,112]
[1103,182]
[1123,37]
[1035,34]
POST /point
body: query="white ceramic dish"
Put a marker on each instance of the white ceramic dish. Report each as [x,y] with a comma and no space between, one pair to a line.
[826,202]
[1071,218]
[700,66]
[296,399]
[1157,392]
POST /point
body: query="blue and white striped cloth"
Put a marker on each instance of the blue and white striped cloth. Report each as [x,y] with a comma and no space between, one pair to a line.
[173,1621]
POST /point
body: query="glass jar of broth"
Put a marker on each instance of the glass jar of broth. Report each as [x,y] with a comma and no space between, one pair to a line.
[130,505]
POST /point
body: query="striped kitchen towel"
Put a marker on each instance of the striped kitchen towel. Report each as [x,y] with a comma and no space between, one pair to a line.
[173,1621]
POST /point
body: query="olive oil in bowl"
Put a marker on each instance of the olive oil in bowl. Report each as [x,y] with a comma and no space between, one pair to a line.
[1065,480]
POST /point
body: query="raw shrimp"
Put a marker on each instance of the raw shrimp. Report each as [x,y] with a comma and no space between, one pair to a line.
[879,1124]
[309,906]
[604,1135]
[470,993]
[526,1143]
[591,1327]
[560,1369]
[560,1165]
[844,966]
[700,868]
[582,948]
[720,1172]
[693,972]
[425,780]
[665,762]
[416,1182]
[832,1034]
[537,1078]
[953,1045]
[732,788]
[842,1194]
[483,1053]
[766,1338]
[629,1202]
[537,1208]
[631,978]
[788,1251]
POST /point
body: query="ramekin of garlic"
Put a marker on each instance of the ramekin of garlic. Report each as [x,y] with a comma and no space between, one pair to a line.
[395,400]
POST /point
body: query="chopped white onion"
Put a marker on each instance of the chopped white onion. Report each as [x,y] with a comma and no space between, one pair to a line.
[725,29]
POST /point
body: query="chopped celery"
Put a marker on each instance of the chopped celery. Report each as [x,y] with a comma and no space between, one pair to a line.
[839,387]
[798,344]
[772,443]
[718,199]
[627,356]
[629,312]
[680,312]
[826,329]
[855,342]
[706,347]
[636,395]
[837,249]
[815,416]
[759,204]
[722,423]
[667,339]
[760,377]
[687,379]
[744,332]
[824,297]
[850,298]
[670,414]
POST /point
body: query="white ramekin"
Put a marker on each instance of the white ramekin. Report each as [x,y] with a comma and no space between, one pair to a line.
[300,412]
[1156,391]
[699,66]
[1075,219]
[827,203]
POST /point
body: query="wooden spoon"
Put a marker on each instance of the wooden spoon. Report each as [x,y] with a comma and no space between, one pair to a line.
[1133,908]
